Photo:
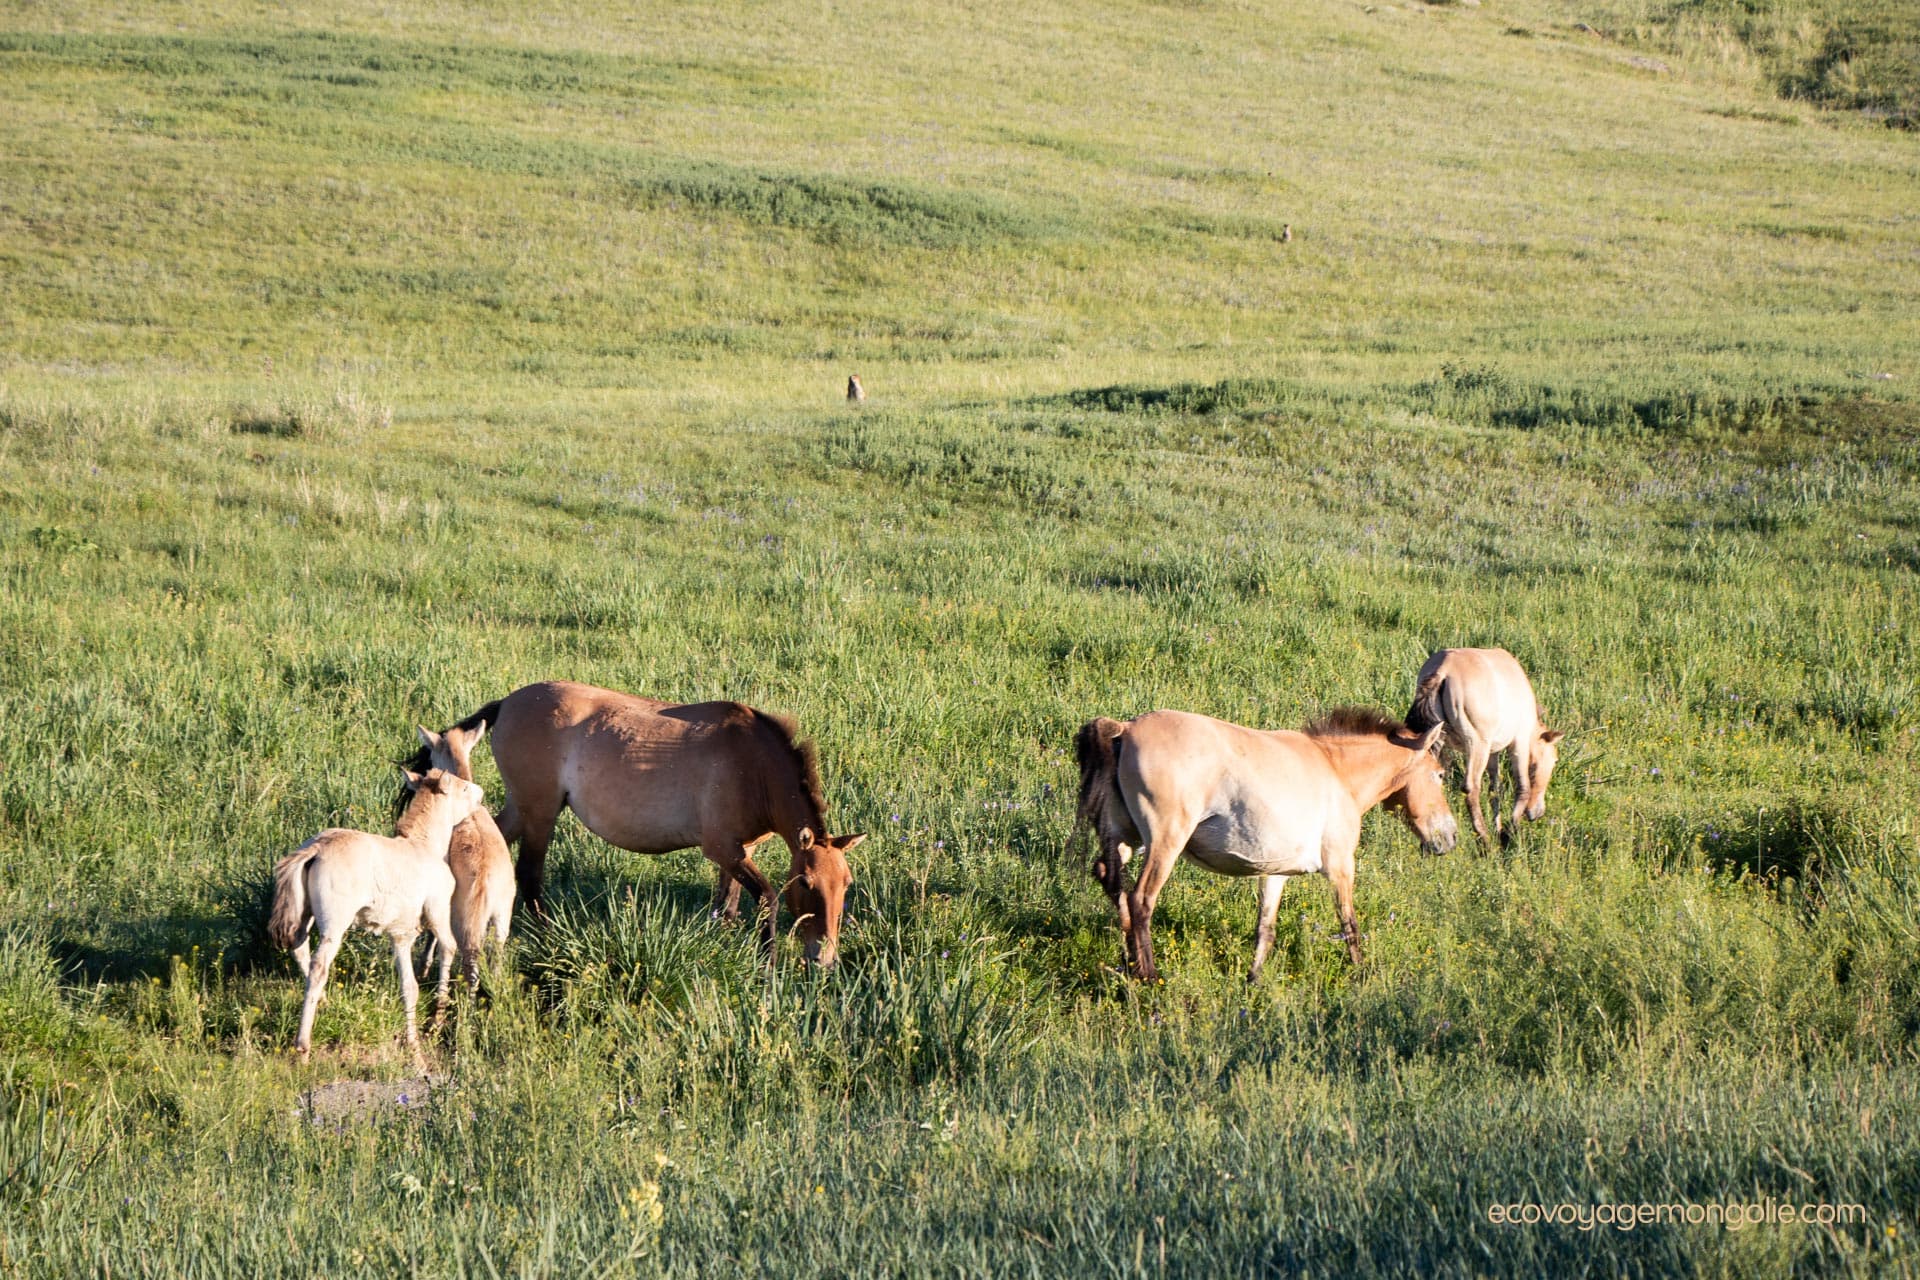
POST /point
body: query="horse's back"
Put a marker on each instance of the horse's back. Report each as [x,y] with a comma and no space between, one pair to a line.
[1489,688]
[1259,799]
[642,774]
[539,717]
[554,706]
[546,732]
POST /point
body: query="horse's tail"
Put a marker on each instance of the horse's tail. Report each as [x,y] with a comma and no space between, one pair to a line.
[1429,706]
[422,759]
[480,905]
[470,916]
[1095,748]
[288,922]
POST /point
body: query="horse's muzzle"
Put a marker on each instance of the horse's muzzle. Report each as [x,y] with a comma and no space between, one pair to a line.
[1443,837]
[823,953]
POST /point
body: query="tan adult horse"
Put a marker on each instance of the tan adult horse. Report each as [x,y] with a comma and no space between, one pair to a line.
[482,868]
[652,777]
[1484,702]
[1271,804]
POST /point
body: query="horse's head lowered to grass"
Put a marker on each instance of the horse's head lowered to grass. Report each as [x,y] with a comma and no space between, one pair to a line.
[816,891]
[1421,797]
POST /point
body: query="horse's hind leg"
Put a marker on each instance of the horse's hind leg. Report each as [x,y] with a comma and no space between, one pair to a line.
[1476,778]
[445,948]
[508,820]
[317,970]
[1270,888]
[409,991]
[303,954]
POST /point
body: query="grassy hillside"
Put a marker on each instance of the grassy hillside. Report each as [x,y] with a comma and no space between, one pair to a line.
[1852,55]
[362,364]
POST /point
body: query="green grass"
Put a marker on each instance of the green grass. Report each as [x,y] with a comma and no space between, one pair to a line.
[364,363]
[1853,55]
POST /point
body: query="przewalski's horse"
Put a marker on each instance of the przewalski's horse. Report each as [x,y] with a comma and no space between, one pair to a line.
[1271,804]
[1484,702]
[651,777]
[388,884]
[482,868]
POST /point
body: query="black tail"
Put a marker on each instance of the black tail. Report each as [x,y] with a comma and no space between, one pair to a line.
[422,760]
[1426,710]
[1095,748]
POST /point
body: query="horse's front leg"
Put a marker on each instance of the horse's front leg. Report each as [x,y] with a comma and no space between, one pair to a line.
[1107,868]
[1339,873]
[726,896]
[734,862]
[1519,760]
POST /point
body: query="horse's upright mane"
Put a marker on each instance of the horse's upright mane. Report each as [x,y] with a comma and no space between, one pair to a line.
[411,813]
[1354,722]
[804,758]
[419,762]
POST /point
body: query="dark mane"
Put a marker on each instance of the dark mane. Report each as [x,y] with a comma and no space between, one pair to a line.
[804,759]
[409,816]
[1355,722]
[420,761]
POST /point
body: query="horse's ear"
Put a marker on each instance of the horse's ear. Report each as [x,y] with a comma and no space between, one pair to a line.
[806,839]
[478,734]
[1551,736]
[413,779]
[427,736]
[848,842]
[1432,739]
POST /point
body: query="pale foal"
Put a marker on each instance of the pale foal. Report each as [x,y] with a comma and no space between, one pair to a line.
[388,884]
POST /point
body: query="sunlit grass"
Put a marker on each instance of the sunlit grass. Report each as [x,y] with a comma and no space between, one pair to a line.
[363,364]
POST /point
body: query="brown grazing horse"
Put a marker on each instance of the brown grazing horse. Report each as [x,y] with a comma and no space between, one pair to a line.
[482,868]
[651,777]
[1271,804]
[1484,701]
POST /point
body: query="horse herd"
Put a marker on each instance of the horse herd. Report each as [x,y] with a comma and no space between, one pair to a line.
[652,777]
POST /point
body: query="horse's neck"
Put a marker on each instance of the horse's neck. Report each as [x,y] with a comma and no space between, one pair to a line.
[1367,767]
[461,769]
[427,826]
[789,819]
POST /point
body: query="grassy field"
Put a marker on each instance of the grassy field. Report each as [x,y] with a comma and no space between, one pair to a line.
[359,364]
